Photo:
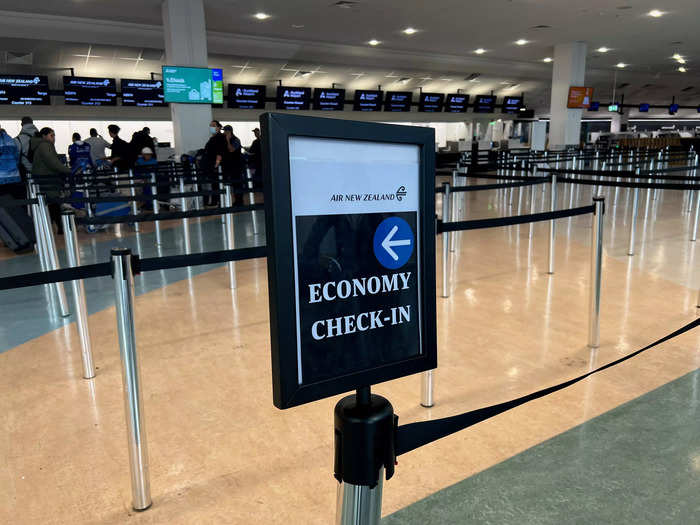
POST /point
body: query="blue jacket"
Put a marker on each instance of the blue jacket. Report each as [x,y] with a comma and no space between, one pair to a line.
[9,159]
[79,155]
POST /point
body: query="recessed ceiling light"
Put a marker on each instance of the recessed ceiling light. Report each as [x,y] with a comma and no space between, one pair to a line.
[405,80]
[297,26]
[374,42]
[521,42]
[261,16]
[547,59]
[603,49]
[655,13]
[680,60]
[682,69]
[621,65]
[410,31]
[480,51]
[676,56]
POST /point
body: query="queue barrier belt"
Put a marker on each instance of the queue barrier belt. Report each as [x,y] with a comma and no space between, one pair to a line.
[414,435]
[167,216]
[642,185]
[140,265]
[510,221]
[482,187]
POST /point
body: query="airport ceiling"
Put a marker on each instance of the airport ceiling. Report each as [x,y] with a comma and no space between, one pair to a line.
[330,42]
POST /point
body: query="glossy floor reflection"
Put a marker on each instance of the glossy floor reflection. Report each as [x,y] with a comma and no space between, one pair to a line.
[220,452]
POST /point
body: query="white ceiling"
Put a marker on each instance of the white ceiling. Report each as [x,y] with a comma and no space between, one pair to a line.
[332,41]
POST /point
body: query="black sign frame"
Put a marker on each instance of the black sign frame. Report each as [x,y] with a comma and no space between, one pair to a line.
[259,102]
[282,105]
[424,105]
[317,104]
[276,131]
[376,106]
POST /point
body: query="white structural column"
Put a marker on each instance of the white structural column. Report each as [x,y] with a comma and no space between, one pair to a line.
[186,45]
[569,70]
[617,121]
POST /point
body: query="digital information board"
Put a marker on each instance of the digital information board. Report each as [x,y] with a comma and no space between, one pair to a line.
[193,85]
[351,253]
[368,100]
[293,97]
[398,101]
[484,103]
[24,90]
[512,105]
[142,93]
[456,103]
[88,91]
[329,99]
[430,102]
[244,96]
[579,97]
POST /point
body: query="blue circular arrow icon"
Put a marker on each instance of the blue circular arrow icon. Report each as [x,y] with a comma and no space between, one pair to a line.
[393,242]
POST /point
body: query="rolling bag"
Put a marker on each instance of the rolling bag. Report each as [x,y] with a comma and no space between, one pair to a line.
[16,227]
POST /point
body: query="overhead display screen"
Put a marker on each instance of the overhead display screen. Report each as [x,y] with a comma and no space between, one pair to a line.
[512,105]
[430,102]
[88,91]
[329,99]
[24,90]
[193,85]
[244,96]
[595,106]
[368,100]
[398,101]
[579,97]
[456,103]
[644,108]
[484,103]
[142,93]
[293,97]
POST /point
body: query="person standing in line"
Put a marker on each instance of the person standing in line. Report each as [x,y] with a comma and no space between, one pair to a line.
[232,163]
[79,156]
[122,155]
[10,180]
[97,147]
[145,167]
[48,168]
[26,134]
[214,151]
[254,153]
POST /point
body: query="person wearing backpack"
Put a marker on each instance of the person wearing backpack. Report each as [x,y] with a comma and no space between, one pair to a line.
[10,180]
[27,133]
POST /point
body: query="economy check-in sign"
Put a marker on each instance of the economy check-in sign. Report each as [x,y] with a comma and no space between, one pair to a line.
[357,267]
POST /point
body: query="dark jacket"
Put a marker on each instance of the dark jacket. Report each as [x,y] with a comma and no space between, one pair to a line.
[46,163]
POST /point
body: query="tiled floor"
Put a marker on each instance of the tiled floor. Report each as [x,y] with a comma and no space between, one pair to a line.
[220,452]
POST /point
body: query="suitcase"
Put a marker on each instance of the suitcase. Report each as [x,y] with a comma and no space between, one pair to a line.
[16,227]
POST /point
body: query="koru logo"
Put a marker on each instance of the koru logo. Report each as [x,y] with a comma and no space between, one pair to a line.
[400,193]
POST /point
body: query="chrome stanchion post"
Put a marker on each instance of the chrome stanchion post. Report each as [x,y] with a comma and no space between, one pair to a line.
[230,244]
[50,253]
[156,207]
[426,396]
[552,207]
[533,193]
[251,197]
[38,230]
[633,220]
[596,272]
[694,230]
[134,204]
[221,197]
[445,240]
[365,427]
[122,274]
[70,236]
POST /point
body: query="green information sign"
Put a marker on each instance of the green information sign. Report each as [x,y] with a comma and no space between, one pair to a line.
[193,85]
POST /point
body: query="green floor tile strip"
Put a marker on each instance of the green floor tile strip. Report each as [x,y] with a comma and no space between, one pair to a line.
[636,464]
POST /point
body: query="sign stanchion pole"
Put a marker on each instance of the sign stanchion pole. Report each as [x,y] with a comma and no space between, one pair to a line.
[221,187]
[50,253]
[230,243]
[596,271]
[364,455]
[134,204]
[122,273]
[445,240]
[553,207]
[81,316]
